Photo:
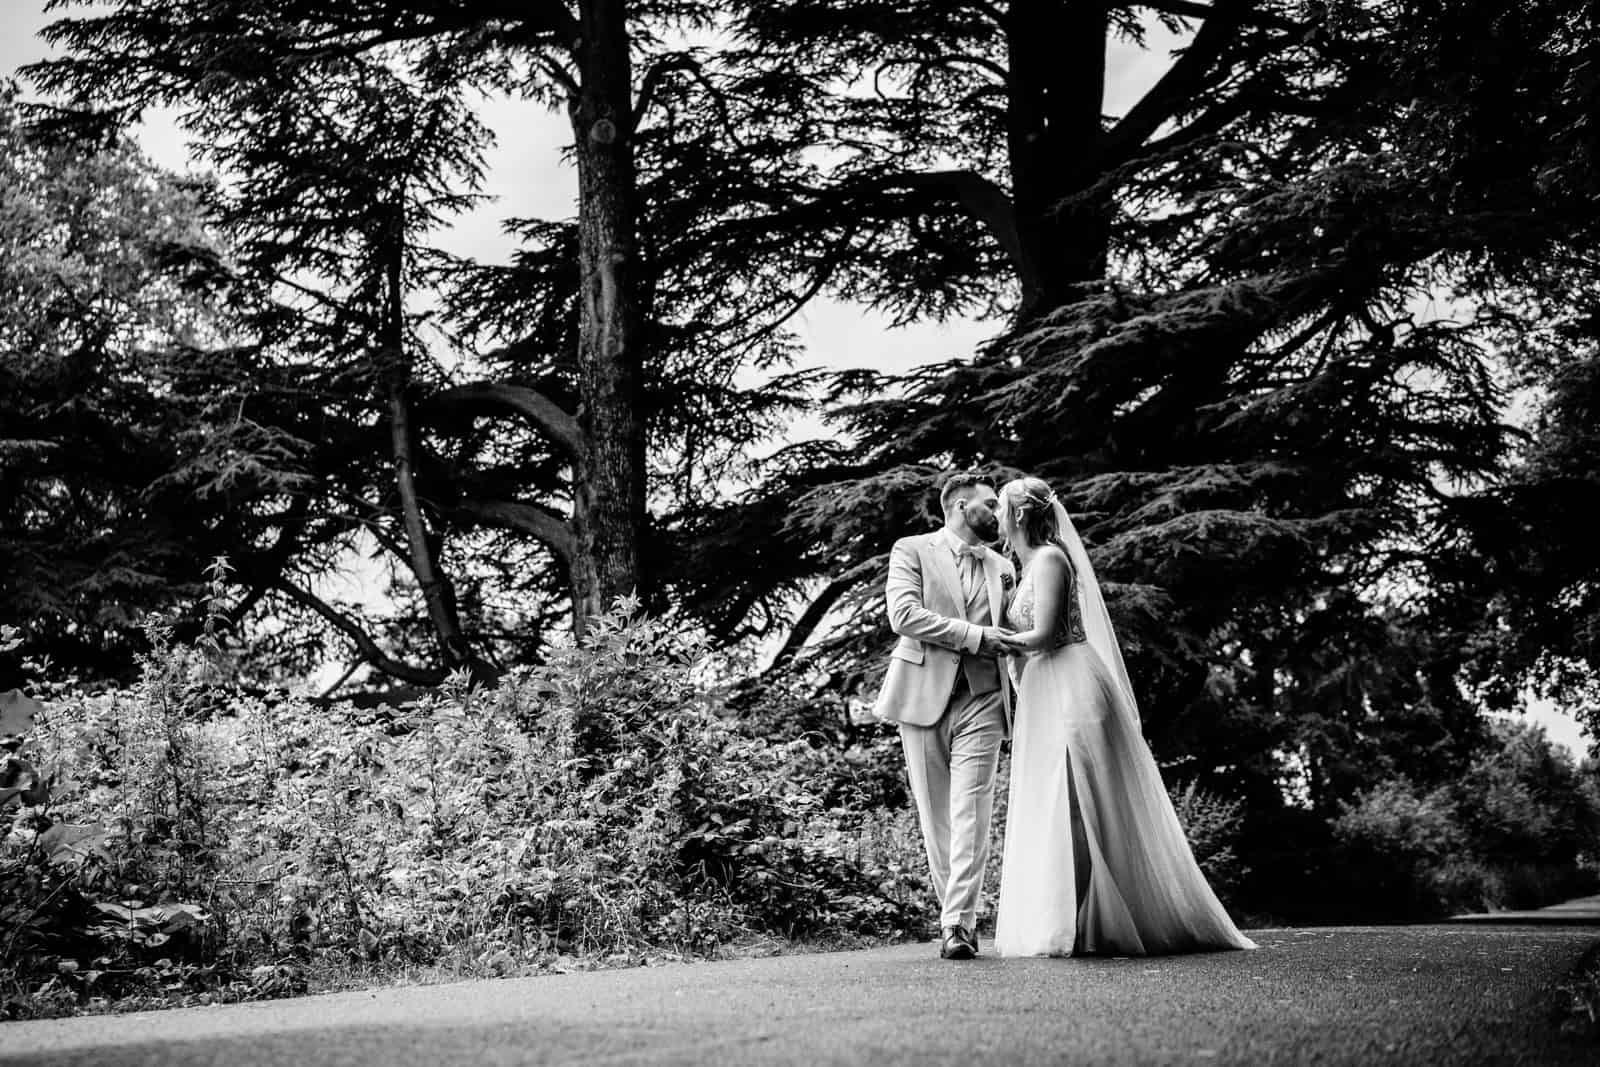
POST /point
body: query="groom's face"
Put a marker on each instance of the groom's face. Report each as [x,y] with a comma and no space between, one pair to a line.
[982,512]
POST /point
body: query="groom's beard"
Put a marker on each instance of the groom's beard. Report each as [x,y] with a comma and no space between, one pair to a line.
[988,528]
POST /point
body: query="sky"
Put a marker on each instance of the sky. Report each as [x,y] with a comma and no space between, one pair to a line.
[525,178]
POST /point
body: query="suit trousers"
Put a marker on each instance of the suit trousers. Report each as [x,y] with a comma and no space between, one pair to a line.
[951,767]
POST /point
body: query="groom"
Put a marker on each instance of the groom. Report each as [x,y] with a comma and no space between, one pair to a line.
[948,692]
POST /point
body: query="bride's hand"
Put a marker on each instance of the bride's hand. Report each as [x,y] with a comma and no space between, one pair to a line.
[994,641]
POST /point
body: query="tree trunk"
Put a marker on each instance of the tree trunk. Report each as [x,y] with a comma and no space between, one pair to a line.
[1057,90]
[609,474]
[437,593]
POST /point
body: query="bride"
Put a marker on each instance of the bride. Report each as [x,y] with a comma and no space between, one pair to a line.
[1095,859]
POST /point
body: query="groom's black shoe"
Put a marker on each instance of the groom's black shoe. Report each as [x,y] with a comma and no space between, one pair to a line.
[958,944]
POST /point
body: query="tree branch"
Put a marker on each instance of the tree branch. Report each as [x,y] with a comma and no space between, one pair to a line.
[652,81]
[1190,10]
[1182,8]
[437,593]
[355,665]
[1212,121]
[524,518]
[983,200]
[1217,118]
[811,618]
[951,61]
[563,23]
[363,641]
[560,75]
[1176,87]
[549,22]
[691,66]
[796,303]
[543,413]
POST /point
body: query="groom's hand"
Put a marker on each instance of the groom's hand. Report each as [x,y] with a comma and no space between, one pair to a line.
[995,641]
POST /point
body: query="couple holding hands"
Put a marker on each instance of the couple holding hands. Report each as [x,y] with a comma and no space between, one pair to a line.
[1095,859]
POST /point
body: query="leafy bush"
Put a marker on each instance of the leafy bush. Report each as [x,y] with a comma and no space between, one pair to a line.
[1212,824]
[1394,838]
[600,807]
[1520,830]
[1525,799]
[1395,820]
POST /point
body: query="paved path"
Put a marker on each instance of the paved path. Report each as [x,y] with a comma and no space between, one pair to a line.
[1356,995]
[1584,911]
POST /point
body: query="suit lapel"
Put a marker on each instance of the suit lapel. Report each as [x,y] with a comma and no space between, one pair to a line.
[944,564]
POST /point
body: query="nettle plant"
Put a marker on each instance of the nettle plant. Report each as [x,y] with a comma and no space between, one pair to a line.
[734,825]
[109,846]
[604,805]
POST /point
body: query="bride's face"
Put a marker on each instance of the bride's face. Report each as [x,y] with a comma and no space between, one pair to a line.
[1010,528]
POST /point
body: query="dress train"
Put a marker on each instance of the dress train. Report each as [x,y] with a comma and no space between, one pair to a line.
[1077,751]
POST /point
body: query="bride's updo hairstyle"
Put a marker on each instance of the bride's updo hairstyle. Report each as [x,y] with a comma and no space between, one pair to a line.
[1036,514]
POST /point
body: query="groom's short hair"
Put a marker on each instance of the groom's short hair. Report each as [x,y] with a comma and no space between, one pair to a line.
[957,485]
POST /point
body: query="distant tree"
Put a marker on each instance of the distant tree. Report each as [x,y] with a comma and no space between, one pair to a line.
[1531,559]
[1526,800]
[128,458]
[1526,554]
[1518,828]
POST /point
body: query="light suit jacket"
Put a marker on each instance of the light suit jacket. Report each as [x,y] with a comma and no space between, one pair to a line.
[928,611]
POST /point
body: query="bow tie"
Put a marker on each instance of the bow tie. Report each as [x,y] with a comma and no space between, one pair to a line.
[972,552]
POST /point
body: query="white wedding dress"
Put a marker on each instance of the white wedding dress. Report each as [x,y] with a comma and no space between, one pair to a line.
[1077,744]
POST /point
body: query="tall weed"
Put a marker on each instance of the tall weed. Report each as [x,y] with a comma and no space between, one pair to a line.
[602,807]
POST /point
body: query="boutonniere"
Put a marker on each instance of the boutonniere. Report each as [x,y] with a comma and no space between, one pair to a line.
[1008,581]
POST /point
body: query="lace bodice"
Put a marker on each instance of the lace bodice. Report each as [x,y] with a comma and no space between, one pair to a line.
[1019,614]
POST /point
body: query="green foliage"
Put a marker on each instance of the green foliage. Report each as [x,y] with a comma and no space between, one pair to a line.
[1532,559]
[198,841]
[1524,802]
[1399,839]
[1213,824]
[126,447]
[1521,829]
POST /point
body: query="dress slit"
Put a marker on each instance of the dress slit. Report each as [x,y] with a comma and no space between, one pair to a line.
[1083,862]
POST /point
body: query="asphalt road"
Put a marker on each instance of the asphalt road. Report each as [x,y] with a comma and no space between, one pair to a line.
[1357,995]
